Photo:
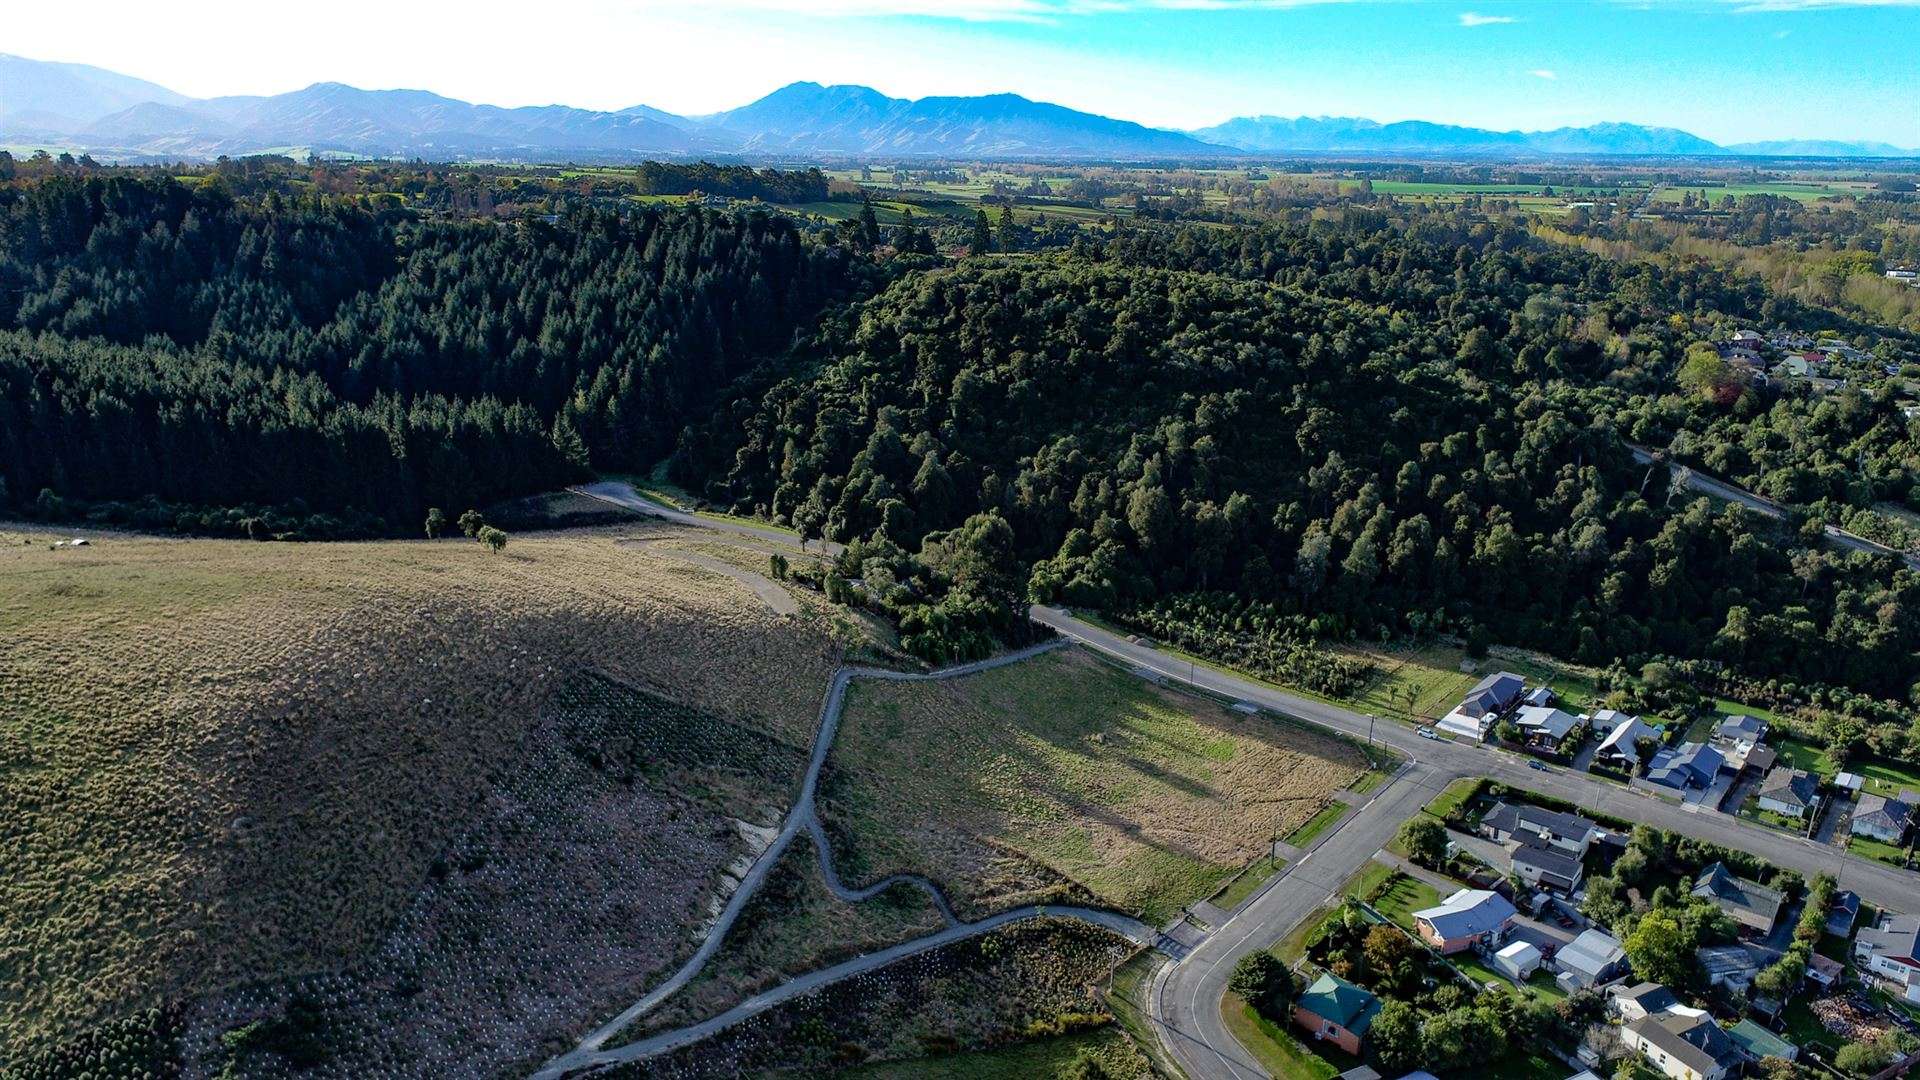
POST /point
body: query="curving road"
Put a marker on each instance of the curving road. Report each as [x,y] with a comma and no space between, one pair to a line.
[1184,1003]
[1760,504]
[590,1053]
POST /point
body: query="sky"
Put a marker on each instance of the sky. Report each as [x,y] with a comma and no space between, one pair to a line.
[1727,70]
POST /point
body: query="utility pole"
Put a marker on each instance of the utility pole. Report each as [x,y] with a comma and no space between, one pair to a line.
[1370,719]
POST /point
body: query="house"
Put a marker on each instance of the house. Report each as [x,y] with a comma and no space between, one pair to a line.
[1483,706]
[1641,1000]
[1692,766]
[1620,748]
[1752,905]
[1337,1011]
[1757,1043]
[1882,818]
[1845,909]
[1518,823]
[1544,866]
[1540,696]
[1467,918]
[1545,728]
[1891,952]
[1788,791]
[1728,966]
[1737,736]
[1493,695]
[1517,961]
[1593,958]
[1795,366]
[1750,338]
[1682,1046]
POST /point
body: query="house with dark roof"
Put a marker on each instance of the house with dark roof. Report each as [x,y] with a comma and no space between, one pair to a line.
[1683,1046]
[1737,738]
[1520,823]
[1640,1000]
[1752,905]
[1544,866]
[1336,1010]
[1881,818]
[1845,909]
[1692,766]
[1467,918]
[1493,695]
[1788,791]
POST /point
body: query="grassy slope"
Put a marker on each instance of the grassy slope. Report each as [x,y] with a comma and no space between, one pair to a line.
[1063,776]
[226,759]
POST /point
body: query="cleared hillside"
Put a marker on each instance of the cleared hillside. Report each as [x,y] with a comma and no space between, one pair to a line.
[222,761]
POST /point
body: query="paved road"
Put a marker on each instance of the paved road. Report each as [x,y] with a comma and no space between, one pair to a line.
[1183,1005]
[1720,489]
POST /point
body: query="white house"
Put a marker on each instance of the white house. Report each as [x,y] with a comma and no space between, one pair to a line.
[1620,747]
[1891,951]
[1788,791]
[1882,818]
[1683,1047]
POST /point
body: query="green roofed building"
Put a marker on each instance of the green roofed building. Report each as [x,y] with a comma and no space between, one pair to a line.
[1337,1011]
[1759,1043]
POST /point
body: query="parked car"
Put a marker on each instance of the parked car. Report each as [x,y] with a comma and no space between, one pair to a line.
[1427,733]
[1537,765]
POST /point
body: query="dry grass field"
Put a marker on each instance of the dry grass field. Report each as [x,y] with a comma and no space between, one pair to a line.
[222,761]
[1064,778]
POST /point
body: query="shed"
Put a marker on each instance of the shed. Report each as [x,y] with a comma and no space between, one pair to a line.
[1517,961]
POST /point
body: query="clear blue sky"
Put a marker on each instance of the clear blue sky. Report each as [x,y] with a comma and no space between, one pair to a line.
[1729,70]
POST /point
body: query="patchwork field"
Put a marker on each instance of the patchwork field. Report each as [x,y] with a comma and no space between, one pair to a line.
[222,761]
[1064,778]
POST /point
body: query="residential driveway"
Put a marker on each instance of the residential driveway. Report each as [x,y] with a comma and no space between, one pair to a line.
[1583,760]
[1836,822]
[1487,851]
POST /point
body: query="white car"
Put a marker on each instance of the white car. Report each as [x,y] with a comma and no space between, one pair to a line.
[1427,733]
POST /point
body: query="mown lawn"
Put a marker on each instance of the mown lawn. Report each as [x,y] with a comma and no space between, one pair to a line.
[1239,889]
[1304,836]
[1400,896]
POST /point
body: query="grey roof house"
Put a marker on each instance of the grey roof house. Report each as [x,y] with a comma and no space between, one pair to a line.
[1542,865]
[1751,904]
[1693,765]
[1520,822]
[1788,791]
[1493,694]
[1881,818]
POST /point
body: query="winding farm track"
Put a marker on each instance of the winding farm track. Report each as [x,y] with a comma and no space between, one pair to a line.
[591,1053]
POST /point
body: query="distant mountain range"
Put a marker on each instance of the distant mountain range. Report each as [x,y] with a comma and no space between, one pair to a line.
[113,115]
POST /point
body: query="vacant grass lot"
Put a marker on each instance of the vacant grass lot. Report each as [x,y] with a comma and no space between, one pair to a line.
[1064,777]
[222,760]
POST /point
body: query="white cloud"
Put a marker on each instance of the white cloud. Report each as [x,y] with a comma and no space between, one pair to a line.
[1474,18]
[1543,73]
